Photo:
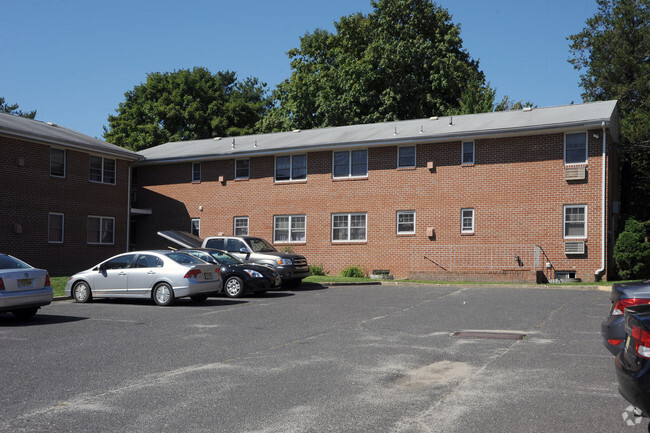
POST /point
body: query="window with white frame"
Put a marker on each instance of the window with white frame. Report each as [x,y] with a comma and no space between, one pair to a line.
[353,163]
[349,227]
[196,172]
[467,220]
[195,226]
[55,228]
[575,148]
[405,222]
[468,152]
[406,157]
[289,228]
[57,162]
[575,221]
[242,169]
[102,170]
[291,167]
[240,226]
[101,230]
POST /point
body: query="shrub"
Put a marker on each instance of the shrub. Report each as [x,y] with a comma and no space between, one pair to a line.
[353,272]
[632,251]
[317,269]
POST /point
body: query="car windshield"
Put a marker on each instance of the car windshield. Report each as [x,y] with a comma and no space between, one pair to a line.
[8,262]
[259,245]
[226,259]
[185,259]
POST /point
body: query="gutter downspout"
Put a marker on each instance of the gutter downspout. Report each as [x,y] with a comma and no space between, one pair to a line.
[128,210]
[603,245]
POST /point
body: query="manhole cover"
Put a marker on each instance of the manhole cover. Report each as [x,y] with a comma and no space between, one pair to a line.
[489,335]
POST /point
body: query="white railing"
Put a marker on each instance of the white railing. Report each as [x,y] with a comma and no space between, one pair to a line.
[476,258]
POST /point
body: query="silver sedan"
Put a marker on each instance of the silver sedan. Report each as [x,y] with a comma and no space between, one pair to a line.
[159,275]
[23,288]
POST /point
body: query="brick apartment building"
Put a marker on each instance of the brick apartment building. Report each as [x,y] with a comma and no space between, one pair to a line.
[64,196]
[520,195]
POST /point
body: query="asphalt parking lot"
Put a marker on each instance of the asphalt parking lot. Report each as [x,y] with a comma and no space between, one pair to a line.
[338,359]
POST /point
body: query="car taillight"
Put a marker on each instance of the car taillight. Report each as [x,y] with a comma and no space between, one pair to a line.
[642,341]
[48,282]
[192,273]
[2,284]
[622,304]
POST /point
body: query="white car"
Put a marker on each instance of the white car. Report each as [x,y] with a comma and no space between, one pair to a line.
[23,288]
[159,275]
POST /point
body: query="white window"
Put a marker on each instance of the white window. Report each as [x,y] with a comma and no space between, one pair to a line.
[196,172]
[55,228]
[289,228]
[195,227]
[57,162]
[575,148]
[468,152]
[240,226]
[352,163]
[349,227]
[101,230]
[406,156]
[102,170]
[467,220]
[405,222]
[291,167]
[575,221]
[242,169]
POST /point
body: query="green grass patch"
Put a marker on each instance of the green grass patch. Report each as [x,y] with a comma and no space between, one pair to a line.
[58,285]
[334,279]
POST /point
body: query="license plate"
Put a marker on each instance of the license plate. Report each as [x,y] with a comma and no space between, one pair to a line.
[25,283]
[207,275]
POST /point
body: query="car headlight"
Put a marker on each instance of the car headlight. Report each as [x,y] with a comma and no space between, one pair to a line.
[284,262]
[253,273]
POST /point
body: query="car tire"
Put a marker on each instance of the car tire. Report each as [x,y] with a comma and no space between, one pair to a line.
[25,313]
[163,294]
[234,287]
[199,298]
[81,292]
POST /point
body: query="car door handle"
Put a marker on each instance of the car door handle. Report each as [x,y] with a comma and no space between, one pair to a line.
[122,273]
[152,272]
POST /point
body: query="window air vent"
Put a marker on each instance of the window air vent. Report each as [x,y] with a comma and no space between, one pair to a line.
[574,247]
[575,173]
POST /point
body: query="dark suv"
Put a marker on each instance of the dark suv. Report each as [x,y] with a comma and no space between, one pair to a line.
[291,267]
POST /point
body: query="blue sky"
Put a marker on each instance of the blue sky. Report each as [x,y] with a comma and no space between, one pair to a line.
[73,60]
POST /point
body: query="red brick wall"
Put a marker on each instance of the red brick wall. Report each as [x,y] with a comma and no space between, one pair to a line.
[516,187]
[28,194]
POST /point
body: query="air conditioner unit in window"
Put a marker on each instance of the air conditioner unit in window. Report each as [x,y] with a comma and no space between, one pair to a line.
[574,247]
[575,173]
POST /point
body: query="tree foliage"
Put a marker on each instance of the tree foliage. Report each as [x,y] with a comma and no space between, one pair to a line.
[613,51]
[13,109]
[404,60]
[186,105]
[632,251]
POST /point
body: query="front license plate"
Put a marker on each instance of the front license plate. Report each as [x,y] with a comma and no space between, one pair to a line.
[25,283]
[207,275]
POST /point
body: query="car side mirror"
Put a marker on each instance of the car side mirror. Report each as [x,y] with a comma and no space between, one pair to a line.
[102,267]
[245,251]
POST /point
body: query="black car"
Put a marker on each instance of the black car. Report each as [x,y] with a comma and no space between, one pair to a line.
[624,295]
[238,276]
[633,363]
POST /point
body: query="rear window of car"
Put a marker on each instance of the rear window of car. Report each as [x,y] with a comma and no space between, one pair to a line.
[214,243]
[185,259]
[8,262]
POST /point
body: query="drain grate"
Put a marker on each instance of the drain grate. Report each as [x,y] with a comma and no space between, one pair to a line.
[489,335]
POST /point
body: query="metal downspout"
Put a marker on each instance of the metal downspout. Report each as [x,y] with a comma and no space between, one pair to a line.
[603,262]
[128,209]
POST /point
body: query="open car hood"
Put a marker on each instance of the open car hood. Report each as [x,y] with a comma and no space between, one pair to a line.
[183,239]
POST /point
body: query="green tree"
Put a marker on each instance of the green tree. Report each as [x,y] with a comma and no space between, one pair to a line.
[13,109]
[632,251]
[613,51]
[404,60]
[186,105]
